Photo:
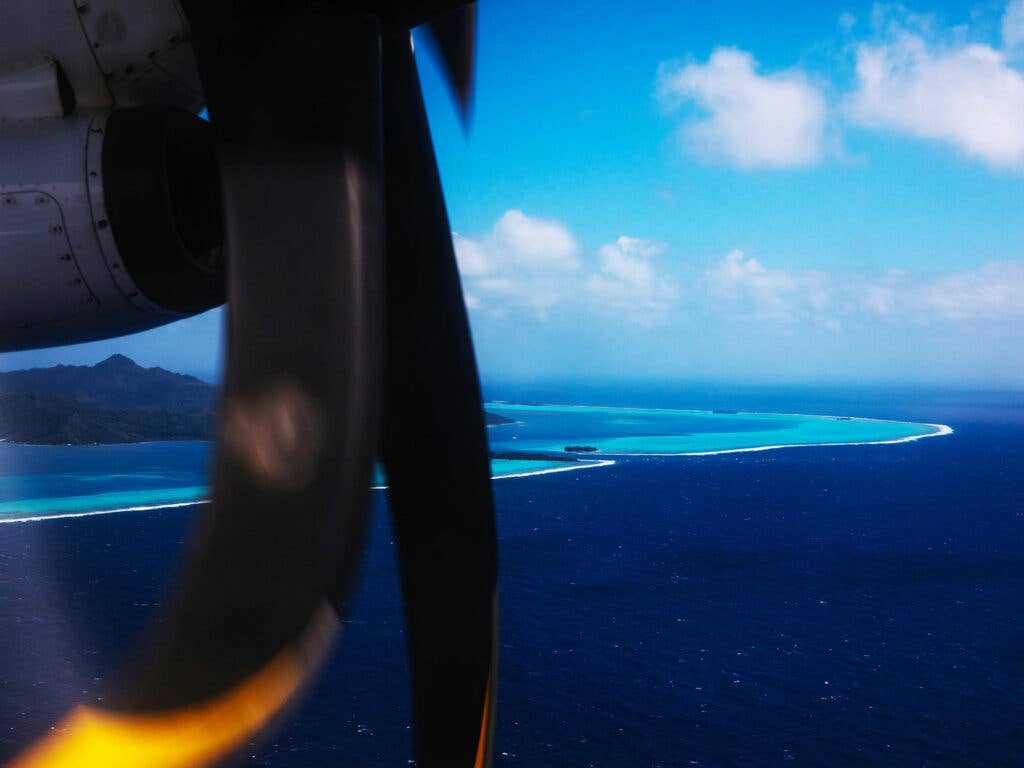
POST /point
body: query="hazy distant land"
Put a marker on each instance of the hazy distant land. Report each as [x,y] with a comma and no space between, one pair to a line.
[115,401]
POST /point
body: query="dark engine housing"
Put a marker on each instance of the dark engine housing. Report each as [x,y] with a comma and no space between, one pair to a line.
[110,223]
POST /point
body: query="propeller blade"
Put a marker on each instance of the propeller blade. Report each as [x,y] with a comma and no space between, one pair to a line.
[454,35]
[301,170]
[301,175]
[271,565]
[435,445]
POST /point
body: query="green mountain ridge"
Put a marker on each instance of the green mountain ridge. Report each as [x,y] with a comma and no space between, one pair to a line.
[114,401]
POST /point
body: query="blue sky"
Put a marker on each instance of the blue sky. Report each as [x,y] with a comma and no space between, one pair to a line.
[745,191]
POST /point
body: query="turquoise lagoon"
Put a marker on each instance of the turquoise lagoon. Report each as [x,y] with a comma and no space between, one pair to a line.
[646,431]
[48,480]
[60,481]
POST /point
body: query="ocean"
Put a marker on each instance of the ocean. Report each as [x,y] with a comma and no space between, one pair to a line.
[823,605]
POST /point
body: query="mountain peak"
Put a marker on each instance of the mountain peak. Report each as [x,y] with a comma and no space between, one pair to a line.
[118,362]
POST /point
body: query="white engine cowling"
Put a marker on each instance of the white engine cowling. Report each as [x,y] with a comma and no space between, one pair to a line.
[109,201]
[110,223]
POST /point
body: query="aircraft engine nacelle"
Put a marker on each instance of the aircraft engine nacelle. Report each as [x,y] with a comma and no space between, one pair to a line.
[110,223]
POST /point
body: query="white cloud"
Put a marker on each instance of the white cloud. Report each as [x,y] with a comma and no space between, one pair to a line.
[470,256]
[754,121]
[745,287]
[914,77]
[881,296]
[770,293]
[627,281]
[1013,25]
[535,267]
[522,263]
[518,243]
[965,94]
[536,243]
[532,265]
[993,291]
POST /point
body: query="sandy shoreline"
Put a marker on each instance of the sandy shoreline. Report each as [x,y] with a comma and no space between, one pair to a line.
[176,504]
[940,430]
[93,513]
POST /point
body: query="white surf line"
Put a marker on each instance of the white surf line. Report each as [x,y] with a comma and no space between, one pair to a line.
[102,445]
[173,505]
[941,429]
[92,513]
[573,465]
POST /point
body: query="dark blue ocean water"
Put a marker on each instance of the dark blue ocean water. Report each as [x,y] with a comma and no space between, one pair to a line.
[822,606]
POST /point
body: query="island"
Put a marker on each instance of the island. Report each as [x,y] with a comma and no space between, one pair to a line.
[114,401]
[495,420]
[581,449]
[530,456]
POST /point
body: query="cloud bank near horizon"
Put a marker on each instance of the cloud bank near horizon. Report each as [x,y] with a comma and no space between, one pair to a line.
[534,267]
